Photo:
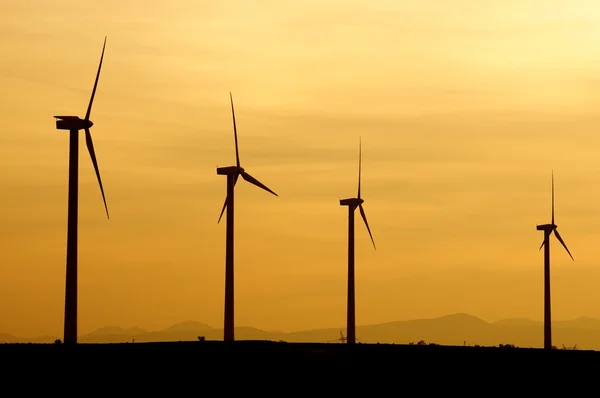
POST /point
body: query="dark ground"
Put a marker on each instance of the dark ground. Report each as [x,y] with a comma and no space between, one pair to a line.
[289,351]
[259,367]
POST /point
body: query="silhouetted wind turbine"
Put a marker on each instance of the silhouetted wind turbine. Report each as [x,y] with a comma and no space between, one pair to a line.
[352,204]
[548,230]
[342,338]
[74,124]
[232,173]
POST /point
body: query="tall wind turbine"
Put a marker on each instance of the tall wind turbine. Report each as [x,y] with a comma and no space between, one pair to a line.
[548,230]
[74,124]
[352,204]
[232,173]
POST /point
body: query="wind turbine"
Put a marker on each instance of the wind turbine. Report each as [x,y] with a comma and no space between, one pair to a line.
[232,173]
[342,338]
[74,124]
[352,204]
[548,230]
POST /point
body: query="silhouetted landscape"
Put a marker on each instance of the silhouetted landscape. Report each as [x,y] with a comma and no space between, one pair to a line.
[452,330]
[309,97]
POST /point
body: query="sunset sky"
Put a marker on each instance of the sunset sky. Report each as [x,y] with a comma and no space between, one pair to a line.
[464,108]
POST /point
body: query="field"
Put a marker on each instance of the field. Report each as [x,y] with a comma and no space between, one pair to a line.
[260,366]
[284,350]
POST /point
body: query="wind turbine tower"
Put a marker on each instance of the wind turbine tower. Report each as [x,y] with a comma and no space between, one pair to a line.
[352,204]
[232,173]
[74,124]
[548,230]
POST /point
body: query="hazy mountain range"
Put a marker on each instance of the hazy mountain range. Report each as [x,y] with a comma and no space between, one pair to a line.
[456,329]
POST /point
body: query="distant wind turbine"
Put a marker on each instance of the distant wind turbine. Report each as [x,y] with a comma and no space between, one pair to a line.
[548,230]
[352,204]
[232,173]
[342,338]
[74,124]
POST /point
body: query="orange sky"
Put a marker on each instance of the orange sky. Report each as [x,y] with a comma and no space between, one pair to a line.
[463,109]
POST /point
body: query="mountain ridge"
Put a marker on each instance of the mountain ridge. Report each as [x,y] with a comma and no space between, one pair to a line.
[452,329]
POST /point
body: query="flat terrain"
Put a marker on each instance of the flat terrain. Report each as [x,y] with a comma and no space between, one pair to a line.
[286,350]
[258,366]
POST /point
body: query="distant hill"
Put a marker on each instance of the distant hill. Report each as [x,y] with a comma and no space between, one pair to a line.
[578,323]
[518,322]
[455,329]
[9,338]
[581,323]
[117,331]
[188,326]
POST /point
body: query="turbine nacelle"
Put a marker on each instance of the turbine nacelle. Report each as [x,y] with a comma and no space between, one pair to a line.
[351,202]
[547,227]
[230,170]
[74,123]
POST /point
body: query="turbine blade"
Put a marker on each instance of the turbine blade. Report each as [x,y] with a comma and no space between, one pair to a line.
[237,154]
[90,146]
[364,217]
[552,197]
[359,164]
[544,241]
[254,181]
[563,243]
[222,210]
[89,109]
[225,204]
